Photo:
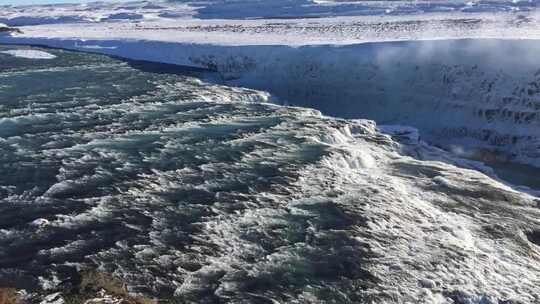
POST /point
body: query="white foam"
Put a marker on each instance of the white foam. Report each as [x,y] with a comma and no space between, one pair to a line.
[29,54]
[40,222]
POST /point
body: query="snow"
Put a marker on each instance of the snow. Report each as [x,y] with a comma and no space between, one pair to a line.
[295,32]
[29,54]
[283,22]
[251,9]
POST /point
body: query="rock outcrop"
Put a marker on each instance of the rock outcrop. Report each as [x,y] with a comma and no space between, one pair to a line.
[6,29]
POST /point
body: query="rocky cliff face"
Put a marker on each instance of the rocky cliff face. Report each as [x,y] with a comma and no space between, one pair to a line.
[6,29]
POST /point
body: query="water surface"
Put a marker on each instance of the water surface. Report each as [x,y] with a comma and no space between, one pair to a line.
[161,179]
[201,193]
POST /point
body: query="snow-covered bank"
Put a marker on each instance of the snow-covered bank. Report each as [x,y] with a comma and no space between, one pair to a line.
[462,94]
[100,11]
[29,54]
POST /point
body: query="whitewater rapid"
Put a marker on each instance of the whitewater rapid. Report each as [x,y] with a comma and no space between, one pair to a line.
[205,193]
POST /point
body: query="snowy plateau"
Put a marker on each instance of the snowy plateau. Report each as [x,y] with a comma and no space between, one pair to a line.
[387,122]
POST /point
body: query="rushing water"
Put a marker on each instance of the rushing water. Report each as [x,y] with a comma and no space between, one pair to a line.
[208,194]
[142,174]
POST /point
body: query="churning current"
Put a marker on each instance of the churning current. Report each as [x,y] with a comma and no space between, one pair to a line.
[188,190]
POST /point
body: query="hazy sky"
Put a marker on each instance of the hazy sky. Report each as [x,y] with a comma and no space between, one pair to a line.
[25,2]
